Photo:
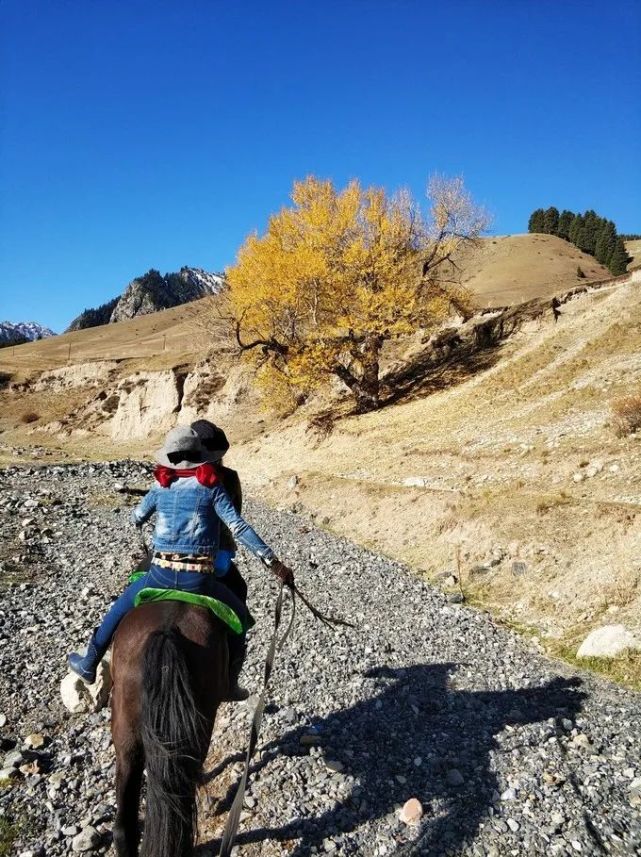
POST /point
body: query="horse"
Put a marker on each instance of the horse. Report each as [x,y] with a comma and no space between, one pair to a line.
[170,668]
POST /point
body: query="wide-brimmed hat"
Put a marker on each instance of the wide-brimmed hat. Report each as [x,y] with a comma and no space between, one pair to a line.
[212,437]
[182,449]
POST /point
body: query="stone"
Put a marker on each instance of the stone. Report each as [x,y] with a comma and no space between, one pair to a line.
[512,824]
[412,811]
[456,598]
[9,773]
[454,778]
[81,698]
[334,765]
[87,840]
[519,568]
[479,570]
[292,482]
[608,642]
[578,477]
[13,759]
[414,482]
[35,741]
[581,741]
[310,739]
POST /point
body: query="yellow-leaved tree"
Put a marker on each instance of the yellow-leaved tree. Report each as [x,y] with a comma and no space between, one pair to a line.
[340,272]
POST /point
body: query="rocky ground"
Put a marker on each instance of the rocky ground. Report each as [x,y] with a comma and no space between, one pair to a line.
[507,753]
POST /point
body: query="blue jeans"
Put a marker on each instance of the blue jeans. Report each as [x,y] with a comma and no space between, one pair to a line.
[167,578]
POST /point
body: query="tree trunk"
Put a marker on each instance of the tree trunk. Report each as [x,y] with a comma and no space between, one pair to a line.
[365,386]
[368,390]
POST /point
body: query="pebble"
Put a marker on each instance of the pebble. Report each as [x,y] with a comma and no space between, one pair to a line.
[454,778]
[87,840]
[412,811]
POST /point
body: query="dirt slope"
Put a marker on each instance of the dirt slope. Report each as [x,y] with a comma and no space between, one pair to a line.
[634,250]
[515,268]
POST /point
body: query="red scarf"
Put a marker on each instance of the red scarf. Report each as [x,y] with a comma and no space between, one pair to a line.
[204,473]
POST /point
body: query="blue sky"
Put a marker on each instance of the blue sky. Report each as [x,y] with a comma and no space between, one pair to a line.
[141,134]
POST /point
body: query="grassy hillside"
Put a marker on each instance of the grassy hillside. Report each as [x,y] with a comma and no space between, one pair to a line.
[515,481]
[500,271]
[516,268]
[167,337]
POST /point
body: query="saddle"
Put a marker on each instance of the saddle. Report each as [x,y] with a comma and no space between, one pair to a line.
[221,611]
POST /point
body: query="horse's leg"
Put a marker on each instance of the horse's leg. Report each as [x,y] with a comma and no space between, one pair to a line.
[126,831]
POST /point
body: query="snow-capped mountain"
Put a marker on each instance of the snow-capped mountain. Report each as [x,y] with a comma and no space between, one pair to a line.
[23,331]
[153,292]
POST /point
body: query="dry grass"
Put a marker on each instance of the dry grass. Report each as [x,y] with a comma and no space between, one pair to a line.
[513,268]
[626,415]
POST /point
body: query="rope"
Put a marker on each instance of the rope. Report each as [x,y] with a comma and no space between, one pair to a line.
[276,644]
[233,819]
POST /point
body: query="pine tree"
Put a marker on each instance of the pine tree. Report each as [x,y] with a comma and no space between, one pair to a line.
[619,261]
[565,222]
[590,229]
[551,220]
[536,221]
[575,229]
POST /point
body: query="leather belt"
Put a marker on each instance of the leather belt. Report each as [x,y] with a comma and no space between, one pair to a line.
[176,562]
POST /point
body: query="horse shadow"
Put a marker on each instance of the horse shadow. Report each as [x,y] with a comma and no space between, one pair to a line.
[417,736]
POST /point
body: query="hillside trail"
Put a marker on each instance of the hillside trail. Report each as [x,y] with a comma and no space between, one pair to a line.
[508,753]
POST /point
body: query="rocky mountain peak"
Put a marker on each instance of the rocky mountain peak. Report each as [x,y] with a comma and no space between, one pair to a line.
[153,291]
[22,331]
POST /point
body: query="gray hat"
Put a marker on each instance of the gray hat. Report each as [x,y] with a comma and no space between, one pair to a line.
[182,449]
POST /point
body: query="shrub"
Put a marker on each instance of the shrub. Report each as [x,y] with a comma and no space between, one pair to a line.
[626,415]
[580,272]
[29,417]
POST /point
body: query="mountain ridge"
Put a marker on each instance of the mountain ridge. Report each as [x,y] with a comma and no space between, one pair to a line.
[16,333]
[149,293]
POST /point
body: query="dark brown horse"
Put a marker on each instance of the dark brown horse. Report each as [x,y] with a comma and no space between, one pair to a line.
[170,670]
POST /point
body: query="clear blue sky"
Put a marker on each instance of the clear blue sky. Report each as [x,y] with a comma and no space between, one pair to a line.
[138,134]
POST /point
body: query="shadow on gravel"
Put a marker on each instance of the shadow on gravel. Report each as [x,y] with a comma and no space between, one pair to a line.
[415,713]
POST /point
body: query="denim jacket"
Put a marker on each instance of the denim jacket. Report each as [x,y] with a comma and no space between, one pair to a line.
[188,517]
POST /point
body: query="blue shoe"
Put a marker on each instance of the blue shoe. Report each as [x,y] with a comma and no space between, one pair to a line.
[86,666]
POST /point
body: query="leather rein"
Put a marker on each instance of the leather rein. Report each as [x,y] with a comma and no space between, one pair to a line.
[275,645]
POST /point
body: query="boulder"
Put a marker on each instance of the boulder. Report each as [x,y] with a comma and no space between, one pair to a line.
[608,642]
[81,698]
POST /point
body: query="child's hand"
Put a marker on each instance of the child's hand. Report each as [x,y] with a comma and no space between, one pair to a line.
[283,572]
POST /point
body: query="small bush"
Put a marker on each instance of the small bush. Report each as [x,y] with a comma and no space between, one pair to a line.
[29,417]
[626,415]
[580,272]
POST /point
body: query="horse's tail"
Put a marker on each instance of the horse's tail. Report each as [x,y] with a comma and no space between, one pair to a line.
[171,735]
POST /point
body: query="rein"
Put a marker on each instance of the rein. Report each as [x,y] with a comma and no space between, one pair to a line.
[275,645]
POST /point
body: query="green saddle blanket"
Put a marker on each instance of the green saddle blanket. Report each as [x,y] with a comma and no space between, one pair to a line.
[221,610]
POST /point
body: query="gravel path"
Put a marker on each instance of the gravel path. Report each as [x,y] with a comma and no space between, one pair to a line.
[508,753]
